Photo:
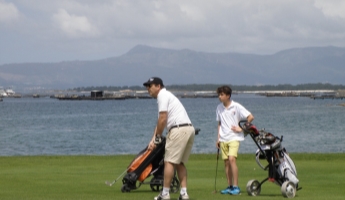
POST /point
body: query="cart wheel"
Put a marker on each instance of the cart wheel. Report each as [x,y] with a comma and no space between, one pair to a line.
[175,185]
[288,189]
[156,184]
[253,188]
[125,188]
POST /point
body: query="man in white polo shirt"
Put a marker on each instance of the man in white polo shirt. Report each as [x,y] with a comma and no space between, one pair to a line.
[179,140]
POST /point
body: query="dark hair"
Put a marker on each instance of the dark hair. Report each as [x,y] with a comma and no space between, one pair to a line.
[224,89]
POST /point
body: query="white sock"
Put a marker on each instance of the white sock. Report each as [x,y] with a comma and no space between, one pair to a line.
[183,191]
[165,191]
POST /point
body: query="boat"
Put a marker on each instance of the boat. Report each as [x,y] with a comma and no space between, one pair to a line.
[10,92]
[3,93]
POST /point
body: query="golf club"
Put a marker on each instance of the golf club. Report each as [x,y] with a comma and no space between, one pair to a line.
[111,183]
[215,178]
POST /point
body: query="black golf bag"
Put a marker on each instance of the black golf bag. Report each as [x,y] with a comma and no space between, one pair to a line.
[281,168]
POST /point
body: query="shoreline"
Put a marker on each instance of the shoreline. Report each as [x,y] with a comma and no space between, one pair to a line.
[142,94]
[297,154]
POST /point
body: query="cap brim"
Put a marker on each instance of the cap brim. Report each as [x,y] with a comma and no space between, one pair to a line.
[146,84]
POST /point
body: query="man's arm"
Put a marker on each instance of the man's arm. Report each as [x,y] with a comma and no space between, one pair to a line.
[161,124]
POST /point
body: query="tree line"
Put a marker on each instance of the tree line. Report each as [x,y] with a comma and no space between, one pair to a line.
[211,87]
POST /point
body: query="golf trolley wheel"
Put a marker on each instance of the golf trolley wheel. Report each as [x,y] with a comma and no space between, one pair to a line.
[253,188]
[175,185]
[288,189]
[156,184]
[125,188]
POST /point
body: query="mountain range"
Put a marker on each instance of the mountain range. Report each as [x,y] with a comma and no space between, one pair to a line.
[179,67]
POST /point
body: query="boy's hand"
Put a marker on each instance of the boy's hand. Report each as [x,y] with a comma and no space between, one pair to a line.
[236,129]
[217,144]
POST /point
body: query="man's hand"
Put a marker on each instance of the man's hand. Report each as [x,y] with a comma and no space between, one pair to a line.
[151,145]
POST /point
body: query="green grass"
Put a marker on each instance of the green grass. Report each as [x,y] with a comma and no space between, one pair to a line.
[83,177]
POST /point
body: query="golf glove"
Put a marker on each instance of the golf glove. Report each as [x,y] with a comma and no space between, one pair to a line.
[158,139]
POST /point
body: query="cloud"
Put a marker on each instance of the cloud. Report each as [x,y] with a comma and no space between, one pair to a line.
[8,12]
[88,29]
[74,26]
[333,8]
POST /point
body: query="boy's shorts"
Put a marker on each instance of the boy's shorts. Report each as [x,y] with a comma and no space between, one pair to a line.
[179,143]
[229,149]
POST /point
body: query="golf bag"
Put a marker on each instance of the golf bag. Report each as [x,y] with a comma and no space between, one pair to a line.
[149,163]
[281,168]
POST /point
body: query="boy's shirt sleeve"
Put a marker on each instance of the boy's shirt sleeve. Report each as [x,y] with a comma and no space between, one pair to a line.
[244,113]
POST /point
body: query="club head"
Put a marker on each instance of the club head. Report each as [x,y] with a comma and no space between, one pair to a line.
[109,183]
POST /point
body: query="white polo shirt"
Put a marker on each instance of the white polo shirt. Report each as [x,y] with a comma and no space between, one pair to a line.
[167,102]
[230,117]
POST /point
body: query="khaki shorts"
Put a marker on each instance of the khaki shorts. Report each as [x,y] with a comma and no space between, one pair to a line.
[179,143]
[229,149]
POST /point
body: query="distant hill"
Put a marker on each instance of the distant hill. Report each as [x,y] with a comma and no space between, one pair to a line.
[292,66]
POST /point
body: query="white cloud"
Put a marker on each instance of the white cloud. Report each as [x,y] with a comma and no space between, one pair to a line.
[192,12]
[73,25]
[8,12]
[99,29]
[331,8]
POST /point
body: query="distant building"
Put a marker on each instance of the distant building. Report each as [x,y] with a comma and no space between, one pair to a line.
[96,94]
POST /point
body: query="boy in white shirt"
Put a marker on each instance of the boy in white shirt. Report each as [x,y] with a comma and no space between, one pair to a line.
[229,113]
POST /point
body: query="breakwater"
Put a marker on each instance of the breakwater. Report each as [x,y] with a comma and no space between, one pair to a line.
[313,94]
[129,94]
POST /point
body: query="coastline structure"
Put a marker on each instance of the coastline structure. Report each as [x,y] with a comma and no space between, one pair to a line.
[142,94]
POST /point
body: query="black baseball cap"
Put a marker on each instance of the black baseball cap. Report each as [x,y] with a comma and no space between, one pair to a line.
[154,80]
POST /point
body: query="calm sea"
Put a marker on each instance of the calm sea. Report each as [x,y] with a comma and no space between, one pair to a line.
[45,126]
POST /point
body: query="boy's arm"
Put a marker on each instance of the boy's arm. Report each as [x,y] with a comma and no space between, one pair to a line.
[250,118]
[238,129]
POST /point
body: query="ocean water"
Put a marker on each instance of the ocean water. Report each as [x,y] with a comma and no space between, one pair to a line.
[45,126]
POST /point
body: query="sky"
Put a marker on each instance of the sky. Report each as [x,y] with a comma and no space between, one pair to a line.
[67,30]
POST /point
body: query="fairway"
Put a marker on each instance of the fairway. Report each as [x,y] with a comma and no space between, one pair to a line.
[83,177]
